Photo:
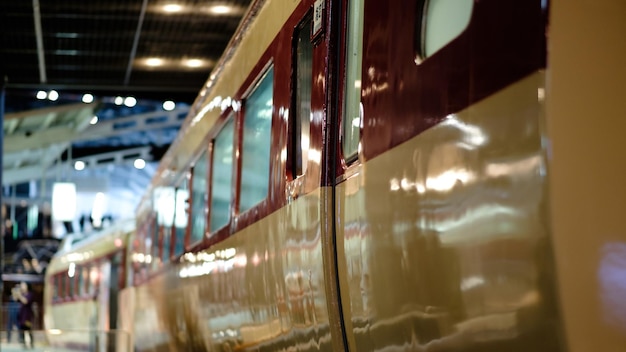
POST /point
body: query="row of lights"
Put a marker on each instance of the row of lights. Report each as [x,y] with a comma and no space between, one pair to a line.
[216,9]
[53,95]
[158,62]
[139,164]
[87,98]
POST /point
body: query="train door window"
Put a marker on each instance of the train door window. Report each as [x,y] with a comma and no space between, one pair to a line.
[81,281]
[303,80]
[353,113]
[255,158]
[440,22]
[222,175]
[180,216]
[198,198]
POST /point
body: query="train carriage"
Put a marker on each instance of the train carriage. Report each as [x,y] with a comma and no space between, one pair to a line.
[379,163]
[83,281]
[379,176]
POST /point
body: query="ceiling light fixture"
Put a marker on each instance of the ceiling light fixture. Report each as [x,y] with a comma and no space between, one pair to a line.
[139,164]
[220,9]
[87,98]
[169,105]
[154,62]
[79,165]
[53,95]
[94,120]
[119,101]
[172,8]
[194,63]
[42,95]
[130,102]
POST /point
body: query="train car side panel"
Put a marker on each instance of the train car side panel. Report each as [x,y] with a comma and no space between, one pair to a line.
[586,107]
[442,223]
[465,258]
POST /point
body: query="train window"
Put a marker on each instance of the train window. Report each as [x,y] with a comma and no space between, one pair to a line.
[353,113]
[222,175]
[81,282]
[255,158]
[166,233]
[198,198]
[62,286]
[441,22]
[180,217]
[94,279]
[165,198]
[55,288]
[149,244]
[303,83]
[71,273]
[84,287]
[154,235]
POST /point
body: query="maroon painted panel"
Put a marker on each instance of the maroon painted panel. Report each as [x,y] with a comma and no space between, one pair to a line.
[504,42]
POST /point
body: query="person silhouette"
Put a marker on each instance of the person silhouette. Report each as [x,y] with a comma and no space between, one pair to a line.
[25,314]
[13,308]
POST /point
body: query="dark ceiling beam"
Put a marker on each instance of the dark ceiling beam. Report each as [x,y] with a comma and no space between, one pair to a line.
[133,51]
[39,38]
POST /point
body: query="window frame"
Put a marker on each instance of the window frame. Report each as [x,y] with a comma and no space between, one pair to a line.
[239,129]
[227,116]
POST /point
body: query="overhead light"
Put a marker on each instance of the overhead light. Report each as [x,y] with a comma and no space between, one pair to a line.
[220,9]
[42,95]
[172,8]
[154,62]
[130,102]
[94,120]
[53,95]
[63,201]
[99,207]
[139,164]
[169,105]
[194,63]
[119,100]
[79,165]
[87,98]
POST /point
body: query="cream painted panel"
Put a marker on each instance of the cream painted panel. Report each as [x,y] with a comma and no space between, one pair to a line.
[74,323]
[443,240]
[126,316]
[264,286]
[586,110]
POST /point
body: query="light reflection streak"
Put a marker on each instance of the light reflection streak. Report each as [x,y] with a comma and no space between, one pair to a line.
[612,282]
[203,263]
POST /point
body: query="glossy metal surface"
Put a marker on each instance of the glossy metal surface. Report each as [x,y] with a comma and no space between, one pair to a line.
[586,126]
[444,240]
[261,288]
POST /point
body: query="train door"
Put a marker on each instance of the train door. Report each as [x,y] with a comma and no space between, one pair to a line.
[309,172]
[114,289]
[107,303]
[104,298]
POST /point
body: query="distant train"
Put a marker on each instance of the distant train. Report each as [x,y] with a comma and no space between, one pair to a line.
[379,176]
[83,282]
